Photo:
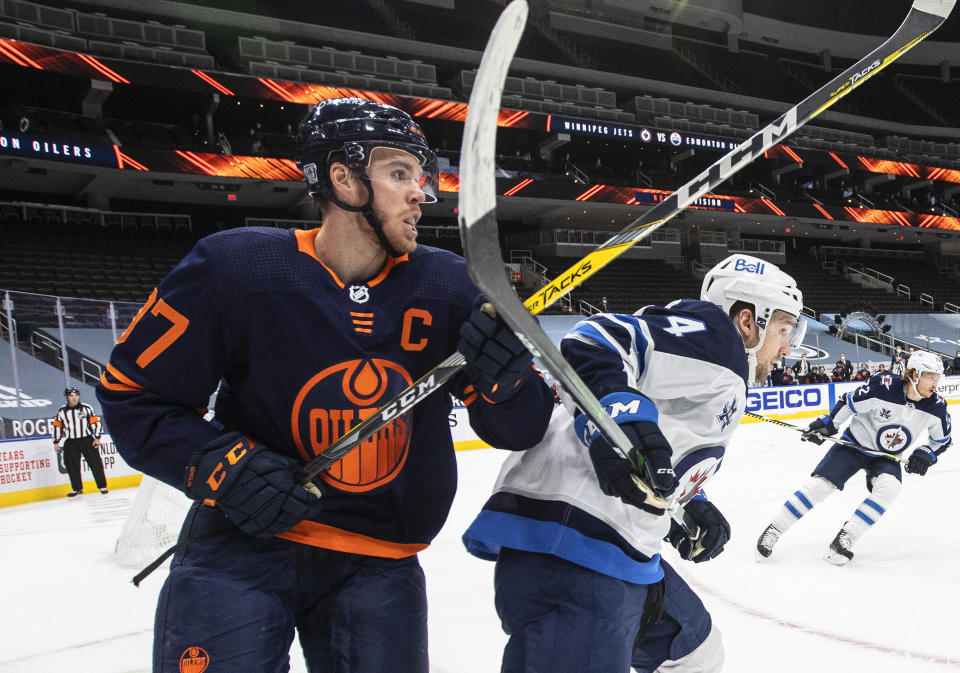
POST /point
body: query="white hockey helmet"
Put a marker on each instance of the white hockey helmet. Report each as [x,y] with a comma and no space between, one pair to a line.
[924,361]
[754,281]
[759,283]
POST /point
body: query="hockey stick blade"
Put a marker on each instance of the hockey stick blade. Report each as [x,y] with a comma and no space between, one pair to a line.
[925,16]
[838,440]
[480,234]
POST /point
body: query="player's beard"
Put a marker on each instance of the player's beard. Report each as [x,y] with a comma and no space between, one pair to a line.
[760,370]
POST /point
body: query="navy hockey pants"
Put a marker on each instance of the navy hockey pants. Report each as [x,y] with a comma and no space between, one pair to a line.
[233,602]
[564,618]
[841,462]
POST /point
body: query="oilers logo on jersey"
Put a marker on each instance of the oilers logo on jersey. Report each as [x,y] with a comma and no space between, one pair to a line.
[361,386]
[893,438]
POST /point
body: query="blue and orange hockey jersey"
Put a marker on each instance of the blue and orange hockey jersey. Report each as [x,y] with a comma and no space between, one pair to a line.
[303,357]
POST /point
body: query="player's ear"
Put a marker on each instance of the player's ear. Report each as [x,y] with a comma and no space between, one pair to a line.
[339,176]
[747,326]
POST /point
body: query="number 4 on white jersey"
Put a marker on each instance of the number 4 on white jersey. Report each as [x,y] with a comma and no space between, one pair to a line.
[682,326]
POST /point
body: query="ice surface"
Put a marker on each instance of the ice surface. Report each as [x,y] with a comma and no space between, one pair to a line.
[894,609]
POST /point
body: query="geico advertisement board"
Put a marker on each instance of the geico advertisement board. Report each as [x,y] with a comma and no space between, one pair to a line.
[820,397]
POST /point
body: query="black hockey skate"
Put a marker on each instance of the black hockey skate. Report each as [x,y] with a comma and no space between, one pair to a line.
[839,552]
[767,539]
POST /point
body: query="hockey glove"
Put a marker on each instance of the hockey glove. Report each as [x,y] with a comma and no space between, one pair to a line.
[646,474]
[819,430]
[253,486]
[920,460]
[496,359]
[710,531]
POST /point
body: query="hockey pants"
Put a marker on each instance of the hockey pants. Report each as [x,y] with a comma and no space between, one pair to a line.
[233,602]
[564,618]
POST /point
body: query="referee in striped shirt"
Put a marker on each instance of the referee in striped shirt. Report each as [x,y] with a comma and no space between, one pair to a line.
[79,428]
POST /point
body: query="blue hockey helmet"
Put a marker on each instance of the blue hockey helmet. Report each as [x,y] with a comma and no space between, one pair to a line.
[355,126]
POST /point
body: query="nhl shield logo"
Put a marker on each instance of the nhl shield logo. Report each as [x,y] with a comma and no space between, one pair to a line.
[359,293]
[194,660]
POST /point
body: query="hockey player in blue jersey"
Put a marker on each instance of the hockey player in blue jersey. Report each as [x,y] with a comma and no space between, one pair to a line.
[887,415]
[580,584]
[308,332]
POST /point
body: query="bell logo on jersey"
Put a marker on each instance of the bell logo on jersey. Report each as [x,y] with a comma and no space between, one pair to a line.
[335,400]
[359,293]
[893,438]
[194,660]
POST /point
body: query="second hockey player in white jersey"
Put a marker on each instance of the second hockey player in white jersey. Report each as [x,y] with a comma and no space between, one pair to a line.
[580,585]
[886,415]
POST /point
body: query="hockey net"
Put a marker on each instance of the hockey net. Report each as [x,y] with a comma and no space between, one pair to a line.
[153,524]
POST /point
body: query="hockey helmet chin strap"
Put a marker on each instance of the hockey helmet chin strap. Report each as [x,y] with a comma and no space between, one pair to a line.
[913,384]
[355,157]
[796,338]
[367,211]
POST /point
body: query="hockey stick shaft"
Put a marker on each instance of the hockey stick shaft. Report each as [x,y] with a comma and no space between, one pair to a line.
[839,440]
[924,17]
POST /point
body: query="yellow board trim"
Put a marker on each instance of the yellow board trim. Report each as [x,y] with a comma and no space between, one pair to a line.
[60,491]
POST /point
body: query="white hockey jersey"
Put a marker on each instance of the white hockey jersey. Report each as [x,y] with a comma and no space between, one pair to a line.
[688,359]
[883,419]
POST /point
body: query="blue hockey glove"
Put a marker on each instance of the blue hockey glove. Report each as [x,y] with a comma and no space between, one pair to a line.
[617,474]
[819,430]
[920,460]
[496,359]
[709,528]
[253,486]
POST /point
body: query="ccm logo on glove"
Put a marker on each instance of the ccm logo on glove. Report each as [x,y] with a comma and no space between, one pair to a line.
[218,475]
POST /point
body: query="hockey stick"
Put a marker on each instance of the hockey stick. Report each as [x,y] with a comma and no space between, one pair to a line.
[924,17]
[838,440]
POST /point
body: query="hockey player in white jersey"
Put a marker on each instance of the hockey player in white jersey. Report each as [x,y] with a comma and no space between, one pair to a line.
[886,415]
[580,584]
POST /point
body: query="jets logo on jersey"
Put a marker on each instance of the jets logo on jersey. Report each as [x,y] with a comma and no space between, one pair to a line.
[336,399]
[692,480]
[886,381]
[359,293]
[885,414]
[893,438]
[726,416]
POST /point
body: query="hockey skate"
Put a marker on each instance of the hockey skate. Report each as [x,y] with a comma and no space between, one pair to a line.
[767,539]
[839,553]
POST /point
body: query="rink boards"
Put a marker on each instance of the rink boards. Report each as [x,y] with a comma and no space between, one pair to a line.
[30,470]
